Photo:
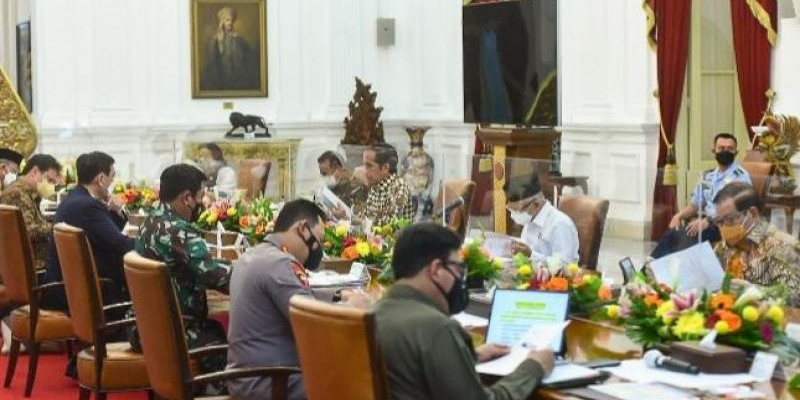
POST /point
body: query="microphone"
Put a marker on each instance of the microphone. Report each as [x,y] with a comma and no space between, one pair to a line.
[655,359]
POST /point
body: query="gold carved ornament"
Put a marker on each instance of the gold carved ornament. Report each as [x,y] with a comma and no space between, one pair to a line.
[650,14]
[17,130]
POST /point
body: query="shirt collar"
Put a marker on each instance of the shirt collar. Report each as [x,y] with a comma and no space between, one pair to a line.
[274,240]
[733,167]
[543,214]
[406,292]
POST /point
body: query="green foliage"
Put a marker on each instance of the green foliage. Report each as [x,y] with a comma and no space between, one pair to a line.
[478,263]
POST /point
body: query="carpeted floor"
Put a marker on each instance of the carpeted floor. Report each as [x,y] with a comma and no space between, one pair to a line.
[51,384]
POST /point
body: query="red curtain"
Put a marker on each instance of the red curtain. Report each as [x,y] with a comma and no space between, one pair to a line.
[672,50]
[753,56]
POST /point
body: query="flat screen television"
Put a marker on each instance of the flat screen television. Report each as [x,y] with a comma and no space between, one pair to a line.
[511,62]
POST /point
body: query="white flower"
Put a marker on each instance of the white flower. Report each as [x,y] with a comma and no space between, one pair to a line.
[751,295]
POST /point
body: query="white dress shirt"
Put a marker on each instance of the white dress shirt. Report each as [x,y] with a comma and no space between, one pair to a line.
[551,232]
[226,181]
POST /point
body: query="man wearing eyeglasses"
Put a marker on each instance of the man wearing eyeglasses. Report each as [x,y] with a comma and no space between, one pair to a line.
[546,231]
[751,249]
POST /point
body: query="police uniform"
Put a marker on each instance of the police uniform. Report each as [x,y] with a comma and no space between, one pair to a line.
[713,181]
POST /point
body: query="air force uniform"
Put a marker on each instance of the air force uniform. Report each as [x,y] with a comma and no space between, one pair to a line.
[713,181]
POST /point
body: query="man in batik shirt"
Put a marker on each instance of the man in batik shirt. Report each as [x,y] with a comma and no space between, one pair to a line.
[168,236]
[389,197]
[751,249]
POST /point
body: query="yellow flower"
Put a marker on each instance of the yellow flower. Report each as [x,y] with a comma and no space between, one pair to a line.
[612,311]
[776,314]
[573,268]
[523,286]
[341,230]
[722,327]
[525,270]
[665,311]
[375,249]
[231,211]
[212,217]
[750,313]
[497,263]
[363,249]
[691,324]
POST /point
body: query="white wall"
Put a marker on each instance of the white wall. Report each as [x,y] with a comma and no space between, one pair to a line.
[785,64]
[609,125]
[115,75]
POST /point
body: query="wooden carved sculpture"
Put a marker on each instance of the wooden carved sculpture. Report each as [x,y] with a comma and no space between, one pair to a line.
[363,126]
[17,131]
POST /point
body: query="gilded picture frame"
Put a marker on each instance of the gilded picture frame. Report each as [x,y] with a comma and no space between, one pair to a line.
[229,48]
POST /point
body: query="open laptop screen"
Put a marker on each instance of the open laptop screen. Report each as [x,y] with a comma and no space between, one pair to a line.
[514,312]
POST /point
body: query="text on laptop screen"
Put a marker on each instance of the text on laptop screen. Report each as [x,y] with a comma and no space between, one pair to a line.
[514,312]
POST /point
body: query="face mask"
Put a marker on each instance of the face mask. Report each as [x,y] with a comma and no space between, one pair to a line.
[10,177]
[734,235]
[45,189]
[329,180]
[725,158]
[196,211]
[520,217]
[314,254]
[458,297]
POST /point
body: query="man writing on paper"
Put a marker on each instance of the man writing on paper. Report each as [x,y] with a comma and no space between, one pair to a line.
[751,248]
[428,354]
[340,181]
[546,231]
[727,171]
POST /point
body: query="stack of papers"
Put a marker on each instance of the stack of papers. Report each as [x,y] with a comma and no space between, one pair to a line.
[696,268]
[329,279]
[637,371]
[638,391]
[470,321]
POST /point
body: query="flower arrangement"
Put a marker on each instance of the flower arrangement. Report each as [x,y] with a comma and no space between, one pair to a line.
[136,197]
[588,293]
[480,266]
[369,248]
[256,221]
[223,212]
[654,313]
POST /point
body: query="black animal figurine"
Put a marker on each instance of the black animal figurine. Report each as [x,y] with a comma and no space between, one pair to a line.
[248,123]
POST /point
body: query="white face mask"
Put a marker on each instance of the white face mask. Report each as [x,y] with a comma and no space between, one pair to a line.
[10,177]
[329,180]
[520,217]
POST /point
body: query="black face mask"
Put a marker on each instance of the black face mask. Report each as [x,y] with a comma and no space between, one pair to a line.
[314,255]
[458,297]
[725,158]
[196,211]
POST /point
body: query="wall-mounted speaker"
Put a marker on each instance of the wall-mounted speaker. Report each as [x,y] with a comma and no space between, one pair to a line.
[385,31]
[788,9]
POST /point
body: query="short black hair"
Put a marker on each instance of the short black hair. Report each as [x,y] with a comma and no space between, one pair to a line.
[385,154]
[725,135]
[522,187]
[89,165]
[216,151]
[332,157]
[418,245]
[44,162]
[179,177]
[743,194]
[298,210]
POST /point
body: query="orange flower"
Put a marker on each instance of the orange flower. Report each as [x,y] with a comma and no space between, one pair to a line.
[463,252]
[733,320]
[350,253]
[652,300]
[604,293]
[557,284]
[244,221]
[721,301]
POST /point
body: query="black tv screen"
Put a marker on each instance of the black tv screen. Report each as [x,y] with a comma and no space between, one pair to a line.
[511,62]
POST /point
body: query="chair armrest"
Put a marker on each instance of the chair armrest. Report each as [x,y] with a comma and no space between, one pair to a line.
[206,351]
[235,373]
[47,286]
[115,306]
[118,324]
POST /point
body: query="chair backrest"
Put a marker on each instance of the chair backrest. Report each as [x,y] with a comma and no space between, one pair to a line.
[451,190]
[338,353]
[16,257]
[80,280]
[589,215]
[252,176]
[160,328]
[760,174]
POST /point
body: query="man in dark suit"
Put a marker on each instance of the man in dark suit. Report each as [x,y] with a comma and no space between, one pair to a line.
[90,207]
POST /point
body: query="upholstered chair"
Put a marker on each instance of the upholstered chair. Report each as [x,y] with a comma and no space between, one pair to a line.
[30,324]
[589,215]
[103,366]
[760,174]
[458,220]
[161,333]
[252,177]
[349,366]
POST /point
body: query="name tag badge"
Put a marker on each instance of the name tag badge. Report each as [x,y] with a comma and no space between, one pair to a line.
[763,366]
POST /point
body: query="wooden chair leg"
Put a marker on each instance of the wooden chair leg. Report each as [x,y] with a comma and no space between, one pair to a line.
[12,361]
[98,395]
[33,362]
[84,393]
[70,351]
[151,395]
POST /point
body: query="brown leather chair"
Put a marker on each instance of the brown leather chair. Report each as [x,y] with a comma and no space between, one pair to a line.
[760,176]
[589,215]
[163,340]
[30,325]
[252,177]
[104,366]
[458,219]
[351,366]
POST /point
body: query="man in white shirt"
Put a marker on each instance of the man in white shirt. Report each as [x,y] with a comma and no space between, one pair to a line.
[546,231]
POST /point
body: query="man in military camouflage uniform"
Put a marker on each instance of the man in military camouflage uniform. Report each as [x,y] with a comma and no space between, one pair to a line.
[37,181]
[168,236]
[389,197]
[728,170]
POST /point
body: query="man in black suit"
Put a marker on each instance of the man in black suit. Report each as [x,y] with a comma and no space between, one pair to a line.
[91,207]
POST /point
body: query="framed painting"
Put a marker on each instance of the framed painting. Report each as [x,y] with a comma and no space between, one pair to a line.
[229,48]
[24,68]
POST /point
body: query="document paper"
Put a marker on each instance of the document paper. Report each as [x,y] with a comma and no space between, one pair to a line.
[695,268]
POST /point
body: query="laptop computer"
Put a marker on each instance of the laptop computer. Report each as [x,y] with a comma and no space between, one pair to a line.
[514,312]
